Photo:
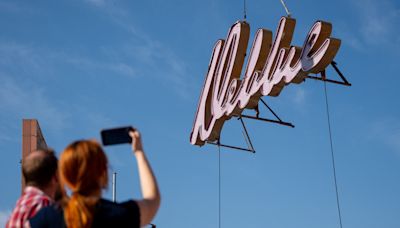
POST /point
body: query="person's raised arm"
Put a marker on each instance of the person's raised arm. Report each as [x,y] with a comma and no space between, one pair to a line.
[151,195]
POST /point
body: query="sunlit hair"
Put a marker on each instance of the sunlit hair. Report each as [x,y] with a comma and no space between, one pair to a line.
[83,170]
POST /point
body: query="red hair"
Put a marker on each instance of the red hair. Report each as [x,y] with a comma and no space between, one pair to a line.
[83,169]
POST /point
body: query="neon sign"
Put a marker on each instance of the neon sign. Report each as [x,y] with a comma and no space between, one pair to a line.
[270,67]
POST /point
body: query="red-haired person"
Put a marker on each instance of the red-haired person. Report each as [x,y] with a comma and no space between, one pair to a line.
[83,170]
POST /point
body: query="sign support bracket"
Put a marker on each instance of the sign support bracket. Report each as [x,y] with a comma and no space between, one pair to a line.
[278,121]
[323,76]
[250,147]
[246,136]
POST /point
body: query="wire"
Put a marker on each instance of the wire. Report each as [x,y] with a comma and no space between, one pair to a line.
[333,156]
[219,186]
[244,10]
[286,9]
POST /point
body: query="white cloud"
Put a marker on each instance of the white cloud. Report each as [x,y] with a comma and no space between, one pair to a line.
[40,62]
[300,96]
[378,24]
[7,138]
[123,69]
[380,21]
[163,63]
[386,131]
[140,55]
[24,101]
[4,217]
[22,95]
[97,3]
[351,39]
[23,57]
[20,100]
[111,8]
[295,96]
[150,56]
[16,7]
[90,65]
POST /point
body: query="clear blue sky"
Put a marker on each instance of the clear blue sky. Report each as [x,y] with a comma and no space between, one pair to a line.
[82,65]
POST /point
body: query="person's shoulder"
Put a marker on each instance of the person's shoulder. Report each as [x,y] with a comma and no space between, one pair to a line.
[124,214]
[104,203]
[48,216]
[53,209]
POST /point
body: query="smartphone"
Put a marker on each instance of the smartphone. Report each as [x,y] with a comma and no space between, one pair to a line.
[118,135]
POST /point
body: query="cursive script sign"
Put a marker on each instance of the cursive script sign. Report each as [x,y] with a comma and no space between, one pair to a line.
[270,67]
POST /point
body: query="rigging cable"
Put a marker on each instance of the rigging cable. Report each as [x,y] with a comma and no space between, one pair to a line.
[332,155]
[286,9]
[244,10]
[219,185]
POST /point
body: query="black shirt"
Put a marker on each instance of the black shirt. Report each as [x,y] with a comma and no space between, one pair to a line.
[107,214]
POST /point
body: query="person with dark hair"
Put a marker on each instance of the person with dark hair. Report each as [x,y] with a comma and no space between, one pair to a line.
[83,171]
[39,170]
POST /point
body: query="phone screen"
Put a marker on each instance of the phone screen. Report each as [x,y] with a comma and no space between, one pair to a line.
[116,135]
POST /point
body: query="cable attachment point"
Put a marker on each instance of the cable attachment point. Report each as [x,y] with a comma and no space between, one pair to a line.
[286,9]
[246,136]
[277,121]
[244,10]
[325,79]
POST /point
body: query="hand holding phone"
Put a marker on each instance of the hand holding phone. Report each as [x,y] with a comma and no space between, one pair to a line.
[115,136]
[136,141]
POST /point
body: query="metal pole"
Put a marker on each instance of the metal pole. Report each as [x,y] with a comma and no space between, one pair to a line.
[114,187]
